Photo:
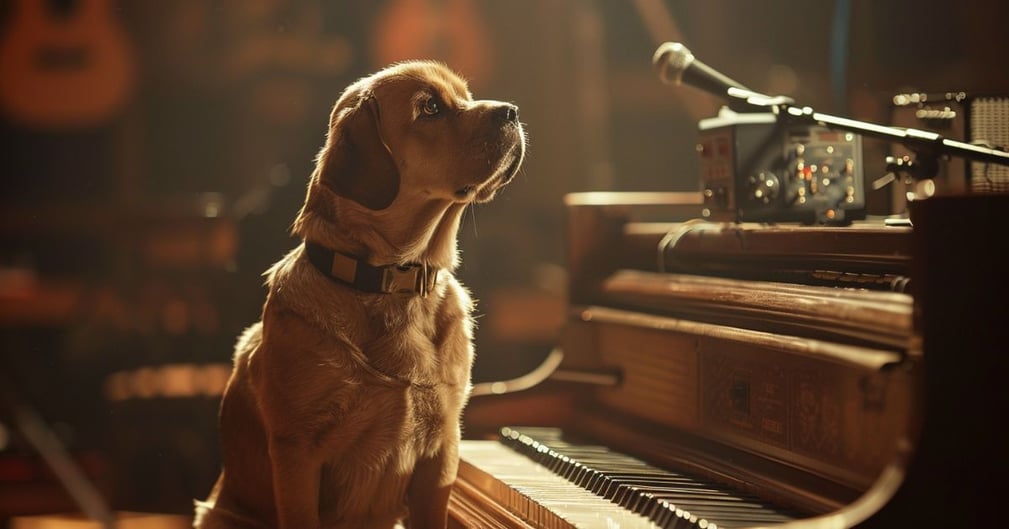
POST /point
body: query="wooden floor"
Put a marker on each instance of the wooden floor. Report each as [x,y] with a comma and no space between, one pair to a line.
[124,520]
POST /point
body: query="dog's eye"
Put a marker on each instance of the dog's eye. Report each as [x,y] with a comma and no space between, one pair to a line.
[431,107]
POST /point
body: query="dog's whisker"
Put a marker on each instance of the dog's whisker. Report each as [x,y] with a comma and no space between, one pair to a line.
[471,209]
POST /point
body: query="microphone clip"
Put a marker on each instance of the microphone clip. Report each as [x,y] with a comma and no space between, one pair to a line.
[744,100]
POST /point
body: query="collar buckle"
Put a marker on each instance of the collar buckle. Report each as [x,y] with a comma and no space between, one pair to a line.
[408,280]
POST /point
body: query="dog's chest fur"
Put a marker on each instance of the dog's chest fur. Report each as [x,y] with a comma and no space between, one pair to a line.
[390,378]
[414,340]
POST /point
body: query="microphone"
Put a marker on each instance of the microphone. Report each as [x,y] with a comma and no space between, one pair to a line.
[676,65]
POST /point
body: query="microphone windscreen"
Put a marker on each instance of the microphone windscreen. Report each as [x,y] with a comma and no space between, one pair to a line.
[670,60]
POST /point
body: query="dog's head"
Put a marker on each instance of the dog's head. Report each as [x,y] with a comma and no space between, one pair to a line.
[414,130]
[408,148]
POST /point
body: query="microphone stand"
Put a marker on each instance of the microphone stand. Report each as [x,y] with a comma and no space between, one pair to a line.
[927,146]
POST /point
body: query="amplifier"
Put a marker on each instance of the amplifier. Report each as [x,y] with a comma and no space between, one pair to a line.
[757,168]
[980,119]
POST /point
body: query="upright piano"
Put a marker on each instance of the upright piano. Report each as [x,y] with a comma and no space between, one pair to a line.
[719,374]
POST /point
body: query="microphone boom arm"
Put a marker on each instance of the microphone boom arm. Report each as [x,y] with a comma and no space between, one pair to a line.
[925,144]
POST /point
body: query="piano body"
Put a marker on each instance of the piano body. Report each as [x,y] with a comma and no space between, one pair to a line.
[743,375]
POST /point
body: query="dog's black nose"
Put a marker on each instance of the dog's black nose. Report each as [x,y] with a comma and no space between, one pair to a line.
[507,112]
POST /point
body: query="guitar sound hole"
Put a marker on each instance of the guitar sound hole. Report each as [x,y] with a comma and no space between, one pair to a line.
[62,57]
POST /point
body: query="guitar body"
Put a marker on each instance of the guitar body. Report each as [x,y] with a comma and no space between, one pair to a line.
[68,71]
[451,31]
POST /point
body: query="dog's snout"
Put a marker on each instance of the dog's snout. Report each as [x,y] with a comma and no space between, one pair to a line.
[507,113]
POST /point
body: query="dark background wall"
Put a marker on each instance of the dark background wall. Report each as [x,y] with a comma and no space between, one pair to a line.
[136,240]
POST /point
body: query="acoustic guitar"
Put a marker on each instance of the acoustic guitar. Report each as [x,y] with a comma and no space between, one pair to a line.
[64,68]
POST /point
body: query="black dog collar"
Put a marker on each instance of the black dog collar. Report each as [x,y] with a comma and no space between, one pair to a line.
[410,279]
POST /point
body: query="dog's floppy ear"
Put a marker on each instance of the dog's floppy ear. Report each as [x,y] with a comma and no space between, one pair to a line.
[358,164]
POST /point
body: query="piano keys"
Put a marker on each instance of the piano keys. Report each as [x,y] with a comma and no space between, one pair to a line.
[640,494]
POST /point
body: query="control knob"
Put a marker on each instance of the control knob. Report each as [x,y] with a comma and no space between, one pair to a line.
[764,187]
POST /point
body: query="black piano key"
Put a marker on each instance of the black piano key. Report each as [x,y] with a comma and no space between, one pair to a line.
[609,485]
[661,509]
[627,493]
[630,473]
[714,509]
[671,518]
[680,519]
[654,501]
[700,493]
[619,488]
[644,502]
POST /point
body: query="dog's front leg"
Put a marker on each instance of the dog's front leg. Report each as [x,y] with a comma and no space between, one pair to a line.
[430,488]
[295,484]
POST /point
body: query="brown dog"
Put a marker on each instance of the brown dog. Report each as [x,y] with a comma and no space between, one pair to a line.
[344,404]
